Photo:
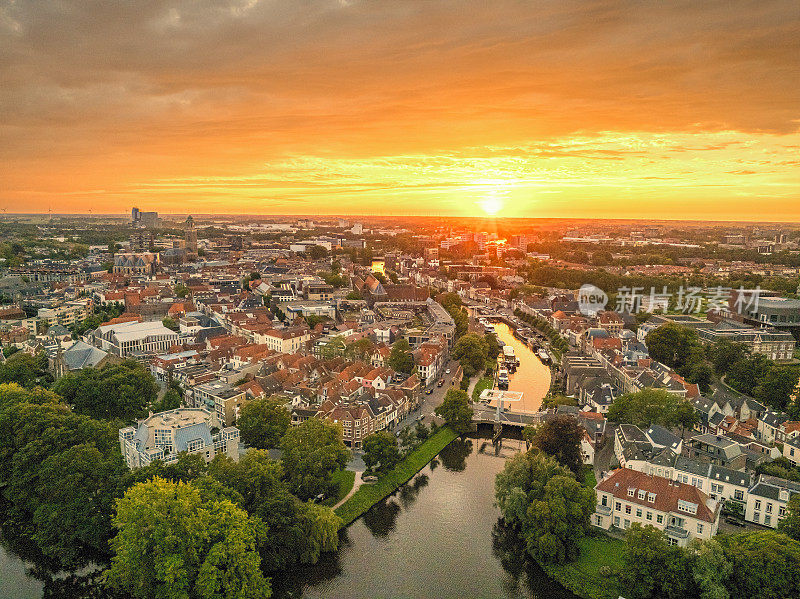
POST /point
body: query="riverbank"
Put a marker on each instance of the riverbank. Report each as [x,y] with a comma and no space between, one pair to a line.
[370,494]
[588,577]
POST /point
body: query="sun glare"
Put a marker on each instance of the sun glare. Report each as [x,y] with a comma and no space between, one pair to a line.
[492,204]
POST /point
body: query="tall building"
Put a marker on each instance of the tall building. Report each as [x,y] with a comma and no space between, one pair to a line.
[147,220]
[190,236]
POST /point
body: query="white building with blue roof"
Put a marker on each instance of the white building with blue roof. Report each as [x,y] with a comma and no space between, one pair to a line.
[165,435]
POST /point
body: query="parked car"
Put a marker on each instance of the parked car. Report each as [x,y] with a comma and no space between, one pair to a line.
[429,391]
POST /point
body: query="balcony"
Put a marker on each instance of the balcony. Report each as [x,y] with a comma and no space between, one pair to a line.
[676,532]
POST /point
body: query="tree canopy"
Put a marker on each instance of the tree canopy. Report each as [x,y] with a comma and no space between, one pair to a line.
[312,452]
[472,352]
[205,547]
[123,390]
[400,358]
[456,410]
[263,422]
[559,437]
[542,499]
[380,451]
[652,406]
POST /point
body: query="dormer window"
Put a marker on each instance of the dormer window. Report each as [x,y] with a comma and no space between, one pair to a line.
[687,506]
[651,497]
[641,494]
[631,492]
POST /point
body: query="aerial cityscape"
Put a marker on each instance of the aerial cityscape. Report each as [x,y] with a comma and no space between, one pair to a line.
[349,299]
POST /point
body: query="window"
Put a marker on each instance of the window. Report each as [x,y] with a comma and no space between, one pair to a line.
[660,519]
[758,504]
[649,515]
[618,507]
[756,517]
[651,497]
[641,494]
[604,500]
[769,508]
[687,506]
[627,509]
[638,512]
[627,524]
[631,492]
[699,528]
[616,521]
[738,495]
[767,519]
[781,511]
[672,541]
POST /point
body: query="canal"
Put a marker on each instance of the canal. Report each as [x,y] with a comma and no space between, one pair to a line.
[438,536]
[532,377]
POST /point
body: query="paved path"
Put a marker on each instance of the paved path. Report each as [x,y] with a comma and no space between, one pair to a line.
[356,484]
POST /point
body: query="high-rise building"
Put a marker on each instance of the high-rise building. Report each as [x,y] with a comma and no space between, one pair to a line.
[190,236]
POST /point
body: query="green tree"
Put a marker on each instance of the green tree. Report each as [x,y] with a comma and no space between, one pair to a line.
[746,373]
[492,346]
[724,353]
[649,406]
[560,438]
[542,500]
[401,359]
[456,410]
[123,390]
[171,324]
[181,290]
[317,252]
[24,369]
[790,525]
[471,351]
[263,422]
[312,452]
[171,400]
[171,542]
[764,564]
[380,451]
[711,569]
[776,387]
[671,344]
[353,295]
[73,501]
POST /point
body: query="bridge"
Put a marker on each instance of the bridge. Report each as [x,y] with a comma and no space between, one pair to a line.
[498,415]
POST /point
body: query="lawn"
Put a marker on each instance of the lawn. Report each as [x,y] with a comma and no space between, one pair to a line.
[583,577]
[344,480]
[485,383]
[370,494]
[589,479]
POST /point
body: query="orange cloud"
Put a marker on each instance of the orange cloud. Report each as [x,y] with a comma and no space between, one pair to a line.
[595,108]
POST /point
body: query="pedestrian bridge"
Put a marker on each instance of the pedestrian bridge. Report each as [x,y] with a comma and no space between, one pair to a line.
[502,412]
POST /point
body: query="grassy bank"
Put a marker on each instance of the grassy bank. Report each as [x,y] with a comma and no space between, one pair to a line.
[344,479]
[370,494]
[584,576]
[485,383]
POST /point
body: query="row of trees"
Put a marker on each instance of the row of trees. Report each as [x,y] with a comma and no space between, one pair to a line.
[557,342]
[476,353]
[186,529]
[753,374]
[730,566]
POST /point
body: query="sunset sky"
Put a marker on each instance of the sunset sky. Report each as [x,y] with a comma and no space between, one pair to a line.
[659,109]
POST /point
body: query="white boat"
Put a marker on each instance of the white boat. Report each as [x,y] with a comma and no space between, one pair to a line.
[502,379]
[544,356]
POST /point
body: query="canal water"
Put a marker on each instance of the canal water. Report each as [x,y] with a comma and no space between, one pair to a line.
[438,536]
[532,377]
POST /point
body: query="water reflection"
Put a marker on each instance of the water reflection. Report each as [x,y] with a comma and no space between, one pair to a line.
[381,519]
[454,456]
[408,492]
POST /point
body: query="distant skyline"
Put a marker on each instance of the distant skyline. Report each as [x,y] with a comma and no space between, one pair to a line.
[540,109]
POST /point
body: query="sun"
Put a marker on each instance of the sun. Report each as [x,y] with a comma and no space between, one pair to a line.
[492,204]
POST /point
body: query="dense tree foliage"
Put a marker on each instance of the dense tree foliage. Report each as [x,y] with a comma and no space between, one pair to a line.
[262,423]
[26,370]
[546,504]
[123,390]
[790,525]
[652,406]
[380,451]
[760,564]
[456,410]
[559,437]
[453,304]
[401,359]
[174,542]
[472,352]
[312,452]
